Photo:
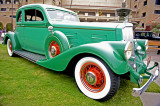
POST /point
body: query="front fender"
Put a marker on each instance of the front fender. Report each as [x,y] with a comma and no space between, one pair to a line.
[105,50]
[14,40]
[60,38]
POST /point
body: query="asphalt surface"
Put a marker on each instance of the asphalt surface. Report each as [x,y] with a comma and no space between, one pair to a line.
[150,98]
[153,54]
[147,98]
[1,40]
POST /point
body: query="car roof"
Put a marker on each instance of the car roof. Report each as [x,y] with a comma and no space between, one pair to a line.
[45,6]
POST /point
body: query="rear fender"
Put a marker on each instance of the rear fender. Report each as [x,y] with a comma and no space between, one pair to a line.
[104,50]
[60,38]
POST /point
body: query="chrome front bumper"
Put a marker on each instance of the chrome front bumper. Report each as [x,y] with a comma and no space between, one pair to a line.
[138,91]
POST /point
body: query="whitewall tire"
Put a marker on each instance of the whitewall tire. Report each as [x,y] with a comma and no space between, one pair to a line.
[10,48]
[95,79]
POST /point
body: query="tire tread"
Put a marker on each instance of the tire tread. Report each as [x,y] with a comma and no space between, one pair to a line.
[115,83]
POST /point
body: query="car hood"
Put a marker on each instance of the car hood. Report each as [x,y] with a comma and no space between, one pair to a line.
[91,25]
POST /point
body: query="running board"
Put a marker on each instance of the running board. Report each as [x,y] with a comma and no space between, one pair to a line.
[33,57]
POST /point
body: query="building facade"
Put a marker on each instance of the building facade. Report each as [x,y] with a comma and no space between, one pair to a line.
[88,10]
[6,7]
[94,10]
[146,13]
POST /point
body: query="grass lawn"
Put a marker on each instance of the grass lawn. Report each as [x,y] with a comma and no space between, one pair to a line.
[25,83]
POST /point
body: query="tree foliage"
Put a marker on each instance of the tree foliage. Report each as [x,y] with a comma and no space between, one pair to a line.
[1,25]
[156,28]
[8,27]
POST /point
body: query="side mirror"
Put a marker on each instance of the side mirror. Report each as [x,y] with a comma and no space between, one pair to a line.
[50,29]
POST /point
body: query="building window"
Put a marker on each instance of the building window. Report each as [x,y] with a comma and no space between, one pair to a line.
[1,1]
[143,25]
[26,0]
[144,14]
[13,16]
[53,0]
[135,6]
[3,9]
[145,3]
[157,2]
[81,13]
[112,14]
[91,13]
[8,1]
[135,0]
[156,11]
[12,9]
[15,1]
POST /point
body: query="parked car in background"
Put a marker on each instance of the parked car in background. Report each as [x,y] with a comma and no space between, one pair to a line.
[146,35]
[98,53]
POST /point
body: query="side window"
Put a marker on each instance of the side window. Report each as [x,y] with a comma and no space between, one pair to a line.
[19,18]
[33,15]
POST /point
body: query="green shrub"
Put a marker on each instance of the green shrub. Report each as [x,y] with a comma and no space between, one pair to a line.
[1,25]
[8,27]
[156,29]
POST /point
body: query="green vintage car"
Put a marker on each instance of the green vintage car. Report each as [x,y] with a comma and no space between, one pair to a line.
[99,53]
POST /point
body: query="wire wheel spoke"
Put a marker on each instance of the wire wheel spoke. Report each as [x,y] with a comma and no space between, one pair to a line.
[92,77]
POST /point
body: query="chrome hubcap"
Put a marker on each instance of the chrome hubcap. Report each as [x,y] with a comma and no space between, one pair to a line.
[90,78]
[53,50]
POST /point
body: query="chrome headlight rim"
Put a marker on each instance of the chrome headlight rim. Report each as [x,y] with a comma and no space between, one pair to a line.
[128,50]
[138,48]
[146,45]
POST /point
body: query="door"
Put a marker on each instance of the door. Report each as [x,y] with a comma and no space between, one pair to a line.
[19,27]
[35,30]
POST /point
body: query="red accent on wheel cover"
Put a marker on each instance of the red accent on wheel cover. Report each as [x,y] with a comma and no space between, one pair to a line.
[56,45]
[10,46]
[99,74]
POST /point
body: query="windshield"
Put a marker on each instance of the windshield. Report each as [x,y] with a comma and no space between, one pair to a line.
[61,15]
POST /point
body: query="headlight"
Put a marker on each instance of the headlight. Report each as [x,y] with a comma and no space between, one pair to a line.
[128,50]
[138,48]
[146,44]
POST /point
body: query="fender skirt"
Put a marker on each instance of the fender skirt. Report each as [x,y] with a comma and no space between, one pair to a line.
[106,50]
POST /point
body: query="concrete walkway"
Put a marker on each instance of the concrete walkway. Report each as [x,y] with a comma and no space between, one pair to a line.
[149,98]
[1,40]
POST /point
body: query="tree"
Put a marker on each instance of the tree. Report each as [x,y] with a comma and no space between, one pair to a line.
[8,27]
[1,25]
[156,29]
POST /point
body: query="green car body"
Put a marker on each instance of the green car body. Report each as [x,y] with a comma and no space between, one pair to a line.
[107,41]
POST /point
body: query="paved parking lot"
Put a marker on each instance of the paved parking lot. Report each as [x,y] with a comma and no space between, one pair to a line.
[150,98]
[1,40]
[153,54]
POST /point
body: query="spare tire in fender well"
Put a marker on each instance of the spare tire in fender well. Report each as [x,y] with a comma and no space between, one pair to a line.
[60,38]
